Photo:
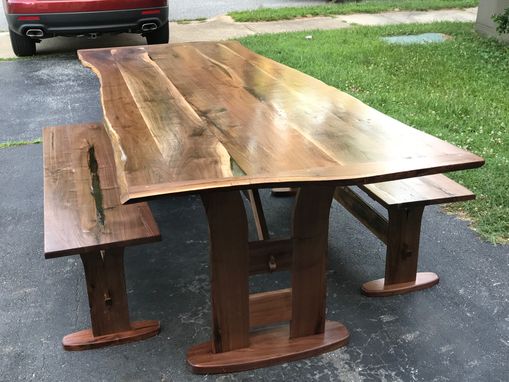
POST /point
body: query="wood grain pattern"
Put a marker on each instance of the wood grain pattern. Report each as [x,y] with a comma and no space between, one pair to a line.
[83,214]
[403,239]
[214,118]
[378,288]
[366,214]
[405,200]
[185,117]
[269,256]
[424,190]
[107,297]
[310,243]
[402,193]
[229,269]
[270,308]
[85,339]
[82,209]
[268,347]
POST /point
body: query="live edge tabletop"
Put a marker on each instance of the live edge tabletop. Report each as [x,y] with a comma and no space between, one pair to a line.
[215,118]
[197,116]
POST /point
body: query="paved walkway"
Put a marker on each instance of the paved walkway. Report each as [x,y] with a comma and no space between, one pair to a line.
[223,27]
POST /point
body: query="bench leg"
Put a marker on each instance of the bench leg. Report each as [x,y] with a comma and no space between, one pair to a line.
[404,230]
[109,314]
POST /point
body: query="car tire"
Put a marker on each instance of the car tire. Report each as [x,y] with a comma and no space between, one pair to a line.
[21,45]
[159,36]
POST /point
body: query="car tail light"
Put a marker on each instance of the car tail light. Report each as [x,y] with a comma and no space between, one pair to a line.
[151,12]
[29,18]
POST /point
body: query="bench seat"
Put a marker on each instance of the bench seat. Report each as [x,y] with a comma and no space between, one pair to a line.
[83,215]
[404,200]
[424,190]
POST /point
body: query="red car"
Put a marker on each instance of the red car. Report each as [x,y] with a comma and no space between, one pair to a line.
[32,20]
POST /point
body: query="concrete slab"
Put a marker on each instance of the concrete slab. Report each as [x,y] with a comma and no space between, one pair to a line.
[214,29]
[456,331]
[5,46]
[424,38]
[386,18]
[323,23]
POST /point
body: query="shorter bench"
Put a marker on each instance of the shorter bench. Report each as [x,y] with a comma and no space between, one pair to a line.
[83,215]
[404,200]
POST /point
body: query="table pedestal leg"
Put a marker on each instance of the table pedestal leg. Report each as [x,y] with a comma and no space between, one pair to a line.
[235,312]
[109,315]
[310,236]
[402,255]
[229,270]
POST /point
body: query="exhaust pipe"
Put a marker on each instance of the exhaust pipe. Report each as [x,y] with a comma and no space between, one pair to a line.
[35,33]
[148,27]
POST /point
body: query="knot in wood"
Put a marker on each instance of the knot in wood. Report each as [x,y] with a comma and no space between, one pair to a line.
[272,264]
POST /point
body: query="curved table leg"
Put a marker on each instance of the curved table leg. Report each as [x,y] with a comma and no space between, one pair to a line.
[310,244]
[233,347]
[229,269]
[109,314]
[402,255]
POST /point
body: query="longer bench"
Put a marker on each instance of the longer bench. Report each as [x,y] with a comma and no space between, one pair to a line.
[404,200]
[83,215]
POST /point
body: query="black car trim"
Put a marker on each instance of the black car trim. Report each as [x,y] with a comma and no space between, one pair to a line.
[74,23]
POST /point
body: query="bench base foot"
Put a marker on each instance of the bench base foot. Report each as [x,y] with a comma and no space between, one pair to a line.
[85,340]
[377,288]
[267,347]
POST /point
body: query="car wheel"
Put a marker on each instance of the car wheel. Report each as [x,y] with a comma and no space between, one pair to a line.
[159,36]
[21,45]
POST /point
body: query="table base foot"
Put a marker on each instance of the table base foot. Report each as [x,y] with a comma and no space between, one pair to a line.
[85,340]
[377,288]
[267,347]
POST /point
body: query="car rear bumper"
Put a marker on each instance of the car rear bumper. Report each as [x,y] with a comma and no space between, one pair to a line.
[63,24]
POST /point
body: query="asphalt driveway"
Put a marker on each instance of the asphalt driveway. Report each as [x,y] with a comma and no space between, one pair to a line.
[455,331]
[44,92]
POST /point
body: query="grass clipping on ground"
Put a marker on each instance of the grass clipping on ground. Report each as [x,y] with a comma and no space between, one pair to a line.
[349,7]
[457,90]
[9,144]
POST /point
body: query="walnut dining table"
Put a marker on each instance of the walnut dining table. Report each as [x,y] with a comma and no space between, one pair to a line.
[215,118]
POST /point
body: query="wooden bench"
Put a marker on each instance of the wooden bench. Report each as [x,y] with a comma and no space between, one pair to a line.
[405,201]
[83,215]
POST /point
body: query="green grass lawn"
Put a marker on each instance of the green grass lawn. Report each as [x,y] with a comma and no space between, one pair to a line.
[457,90]
[366,6]
[8,144]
